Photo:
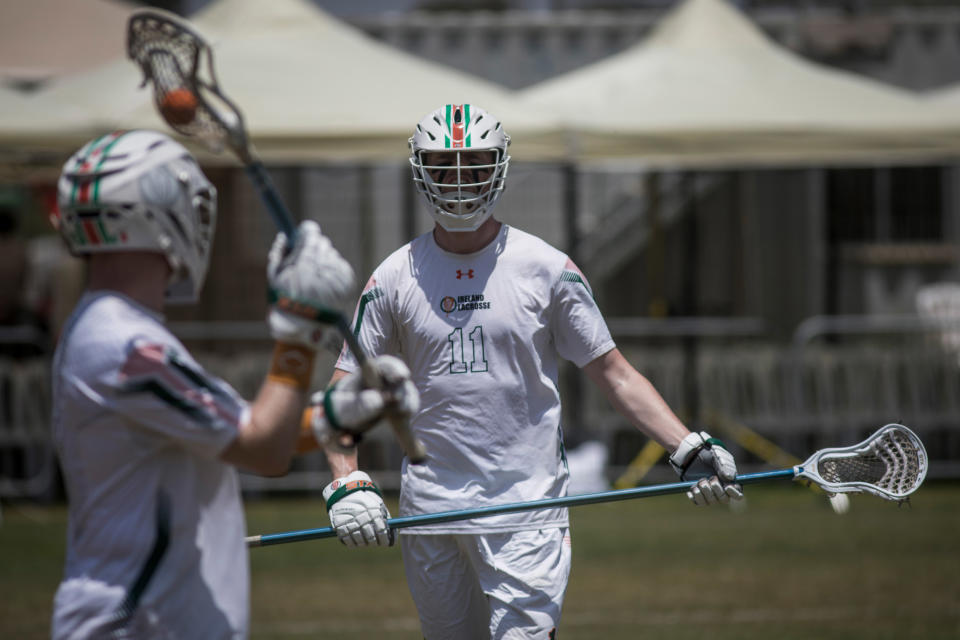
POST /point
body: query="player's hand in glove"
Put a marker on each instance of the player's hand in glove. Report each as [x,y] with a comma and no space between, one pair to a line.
[704,457]
[357,512]
[340,415]
[310,285]
[402,396]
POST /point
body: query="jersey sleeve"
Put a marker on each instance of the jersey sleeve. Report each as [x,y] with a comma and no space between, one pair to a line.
[580,332]
[160,389]
[372,324]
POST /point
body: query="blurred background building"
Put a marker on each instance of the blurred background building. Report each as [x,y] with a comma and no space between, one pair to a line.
[799,285]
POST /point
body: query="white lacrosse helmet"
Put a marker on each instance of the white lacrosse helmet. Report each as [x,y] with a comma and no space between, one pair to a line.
[460,192]
[140,191]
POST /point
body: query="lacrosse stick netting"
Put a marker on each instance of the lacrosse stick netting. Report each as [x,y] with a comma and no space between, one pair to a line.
[174,57]
[891,464]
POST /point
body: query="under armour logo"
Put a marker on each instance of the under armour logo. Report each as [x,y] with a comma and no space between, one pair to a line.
[469,274]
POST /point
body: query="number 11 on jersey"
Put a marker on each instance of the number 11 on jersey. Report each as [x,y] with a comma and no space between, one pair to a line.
[478,361]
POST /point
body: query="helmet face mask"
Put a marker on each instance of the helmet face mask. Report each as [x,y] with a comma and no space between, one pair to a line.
[459,161]
[140,191]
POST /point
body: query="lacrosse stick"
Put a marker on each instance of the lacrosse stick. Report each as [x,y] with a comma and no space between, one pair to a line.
[766,450]
[178,62]
[890,464]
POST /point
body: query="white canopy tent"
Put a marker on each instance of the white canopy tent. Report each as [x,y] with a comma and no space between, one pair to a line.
[708,88]
[310,87]
[948,95]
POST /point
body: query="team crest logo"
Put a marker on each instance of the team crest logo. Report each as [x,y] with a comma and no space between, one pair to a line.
[466,302]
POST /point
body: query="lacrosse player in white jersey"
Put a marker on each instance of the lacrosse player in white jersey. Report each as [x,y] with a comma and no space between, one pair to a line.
[482,312]
[148,441]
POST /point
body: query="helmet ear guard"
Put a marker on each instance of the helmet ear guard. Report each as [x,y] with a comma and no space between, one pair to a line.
[457,131]
[140,191]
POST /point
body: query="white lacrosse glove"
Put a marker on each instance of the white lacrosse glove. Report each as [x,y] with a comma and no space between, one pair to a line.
[310,285]
[349,410]
[704,457]
[403,399]
[357,512]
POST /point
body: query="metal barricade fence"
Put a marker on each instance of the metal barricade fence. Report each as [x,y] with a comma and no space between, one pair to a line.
[809,394]
[840,378]
[27,461]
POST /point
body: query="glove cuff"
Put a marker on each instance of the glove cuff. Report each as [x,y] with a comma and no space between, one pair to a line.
[342,487]
[328,409]
[329,436]
[291,365]
[304,309]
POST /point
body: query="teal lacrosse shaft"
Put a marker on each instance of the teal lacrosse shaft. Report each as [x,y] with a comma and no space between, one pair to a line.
[269,539]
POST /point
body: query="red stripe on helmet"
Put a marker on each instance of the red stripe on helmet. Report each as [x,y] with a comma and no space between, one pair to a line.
[457,127]
[91,232]
[84,194]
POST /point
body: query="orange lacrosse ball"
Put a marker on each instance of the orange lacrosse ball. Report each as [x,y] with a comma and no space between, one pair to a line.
[179,107]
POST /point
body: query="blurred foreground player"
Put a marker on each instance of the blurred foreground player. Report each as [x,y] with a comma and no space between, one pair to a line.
[148,441]
[482,312]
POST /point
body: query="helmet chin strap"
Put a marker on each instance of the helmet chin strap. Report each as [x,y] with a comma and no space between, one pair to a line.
[461,207]
[461,223]
[458,210]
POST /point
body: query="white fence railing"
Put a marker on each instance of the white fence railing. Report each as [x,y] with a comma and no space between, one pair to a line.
[838,378]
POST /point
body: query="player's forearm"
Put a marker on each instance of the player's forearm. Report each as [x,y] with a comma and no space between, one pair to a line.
[646,409]
[266,443]
[636,399]
[341,464]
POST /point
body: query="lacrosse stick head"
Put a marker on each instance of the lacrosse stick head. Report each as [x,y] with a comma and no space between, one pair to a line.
[178,63]
[891,464]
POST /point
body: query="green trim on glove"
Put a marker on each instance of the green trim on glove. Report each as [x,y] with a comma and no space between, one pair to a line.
[328,408]
[715,442]
[353,486]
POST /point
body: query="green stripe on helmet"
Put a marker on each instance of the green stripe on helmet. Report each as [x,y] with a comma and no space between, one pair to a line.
[92,147]
[82,158]
[103,158]
[447,135]
[78,235]
[107,238]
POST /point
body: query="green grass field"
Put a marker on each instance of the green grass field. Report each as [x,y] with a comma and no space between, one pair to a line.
[784,567]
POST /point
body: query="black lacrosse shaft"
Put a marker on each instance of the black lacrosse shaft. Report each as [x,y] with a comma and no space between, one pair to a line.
[268,193]
[284,221]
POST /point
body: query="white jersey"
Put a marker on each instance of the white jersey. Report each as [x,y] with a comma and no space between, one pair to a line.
[155,541]
[482,334]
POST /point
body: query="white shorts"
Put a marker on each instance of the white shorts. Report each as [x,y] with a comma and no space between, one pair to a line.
[488,586]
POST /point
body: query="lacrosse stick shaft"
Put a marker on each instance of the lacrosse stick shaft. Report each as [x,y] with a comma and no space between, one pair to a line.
[271,199]
[284,221]
[171,55]
[467,514]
